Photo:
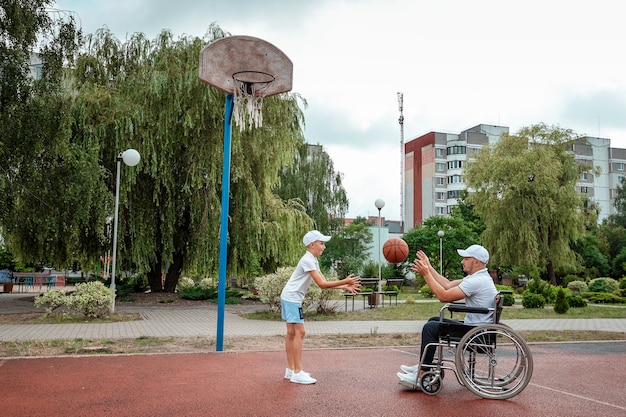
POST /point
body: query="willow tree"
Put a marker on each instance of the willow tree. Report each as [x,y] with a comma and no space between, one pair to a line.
[51,195]
[146,94]
[313,180]
[524,190]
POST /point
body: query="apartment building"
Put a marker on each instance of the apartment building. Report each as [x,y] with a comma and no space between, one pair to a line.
[434,165]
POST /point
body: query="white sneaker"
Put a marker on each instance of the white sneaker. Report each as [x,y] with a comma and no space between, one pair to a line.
[302,378]
[409,369]
[408,380]
[289,373]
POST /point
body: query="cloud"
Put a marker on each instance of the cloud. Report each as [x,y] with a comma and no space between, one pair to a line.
[459,64]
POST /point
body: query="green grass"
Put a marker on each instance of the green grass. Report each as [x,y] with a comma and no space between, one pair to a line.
[423,311]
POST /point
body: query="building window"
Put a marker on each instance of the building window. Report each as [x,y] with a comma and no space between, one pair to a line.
[455,164]
[456,150]
[440,152]
[441,196]
[440,211]
[584,190]
[441,181]
[583,176]
[455,179]
[454,194]
[440,167]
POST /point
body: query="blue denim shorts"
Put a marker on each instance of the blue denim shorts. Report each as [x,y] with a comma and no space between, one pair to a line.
[292,312]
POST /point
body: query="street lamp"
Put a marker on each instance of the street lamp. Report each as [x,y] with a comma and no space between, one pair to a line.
[131,158]
[379,203]
[440,234]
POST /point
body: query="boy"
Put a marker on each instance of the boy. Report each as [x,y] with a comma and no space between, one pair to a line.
[291,297]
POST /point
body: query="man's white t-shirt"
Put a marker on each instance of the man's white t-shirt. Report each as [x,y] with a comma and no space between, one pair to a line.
[301,278]
[479,291]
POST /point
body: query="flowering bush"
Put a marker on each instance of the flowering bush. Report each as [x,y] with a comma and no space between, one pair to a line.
[270,286]
[202,290]
[91,299]
[185,282]
[577,286]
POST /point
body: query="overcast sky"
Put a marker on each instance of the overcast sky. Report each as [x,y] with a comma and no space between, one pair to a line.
[458,63]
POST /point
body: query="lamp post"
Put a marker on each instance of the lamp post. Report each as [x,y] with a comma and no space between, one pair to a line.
[440,234]
[379,203]
[131,158]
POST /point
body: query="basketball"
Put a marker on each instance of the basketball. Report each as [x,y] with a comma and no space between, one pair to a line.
[395,250]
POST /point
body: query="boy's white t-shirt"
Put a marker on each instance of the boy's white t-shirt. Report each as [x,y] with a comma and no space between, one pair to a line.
[300,279]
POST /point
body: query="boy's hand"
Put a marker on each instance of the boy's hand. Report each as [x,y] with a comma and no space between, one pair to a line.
[353,283]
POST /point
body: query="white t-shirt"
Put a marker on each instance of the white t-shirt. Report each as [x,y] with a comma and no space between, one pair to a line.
[479,291]
[301,278]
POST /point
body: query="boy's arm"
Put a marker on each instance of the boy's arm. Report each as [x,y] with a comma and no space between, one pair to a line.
[350,283]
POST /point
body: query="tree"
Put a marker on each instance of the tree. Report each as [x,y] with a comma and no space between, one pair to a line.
[611,242]
[348,248]
[53,204]
[146,95]
[593,260]
[619,218]
[313,180]
[525,193]
[457,234]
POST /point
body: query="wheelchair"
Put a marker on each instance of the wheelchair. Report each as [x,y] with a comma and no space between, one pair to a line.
[491,360]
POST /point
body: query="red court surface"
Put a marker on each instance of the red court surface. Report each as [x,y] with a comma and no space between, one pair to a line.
[568,380]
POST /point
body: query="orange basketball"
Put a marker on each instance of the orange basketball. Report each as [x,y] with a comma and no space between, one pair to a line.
[395,250]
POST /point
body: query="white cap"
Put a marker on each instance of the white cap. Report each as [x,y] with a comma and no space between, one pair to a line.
[475,251]
[314,236]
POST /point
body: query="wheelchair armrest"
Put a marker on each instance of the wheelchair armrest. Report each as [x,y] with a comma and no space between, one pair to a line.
[462,308]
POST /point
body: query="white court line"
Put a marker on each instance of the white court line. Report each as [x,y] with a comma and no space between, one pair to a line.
[579,396]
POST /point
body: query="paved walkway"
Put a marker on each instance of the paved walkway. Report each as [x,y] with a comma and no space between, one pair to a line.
[168,321]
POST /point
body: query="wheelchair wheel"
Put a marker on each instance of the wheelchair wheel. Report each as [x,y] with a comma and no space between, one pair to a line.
[431,383]
[494,362]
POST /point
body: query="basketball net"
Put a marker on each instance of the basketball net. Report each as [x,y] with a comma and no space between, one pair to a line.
[248,99]
[247,110]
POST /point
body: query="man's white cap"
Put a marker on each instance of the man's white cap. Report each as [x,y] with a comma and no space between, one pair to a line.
[313,236]
[475,251]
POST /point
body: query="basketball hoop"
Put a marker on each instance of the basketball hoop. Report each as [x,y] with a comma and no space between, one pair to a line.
[249,91]
[250,69]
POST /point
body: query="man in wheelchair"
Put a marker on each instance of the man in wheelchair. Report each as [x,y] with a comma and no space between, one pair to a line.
[478,290]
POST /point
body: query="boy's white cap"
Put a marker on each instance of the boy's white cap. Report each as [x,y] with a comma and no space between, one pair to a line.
[475,251]
[313,236]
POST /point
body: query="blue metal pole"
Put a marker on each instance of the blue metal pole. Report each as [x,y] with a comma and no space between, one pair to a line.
[221,284]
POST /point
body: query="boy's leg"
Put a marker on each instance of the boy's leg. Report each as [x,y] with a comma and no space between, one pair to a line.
[293,346]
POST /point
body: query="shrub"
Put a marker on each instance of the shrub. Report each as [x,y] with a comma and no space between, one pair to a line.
[602,285]
[560,305]
[603,298]
[577,286]
[538,286]
[51,300]
[569,278]
[575,301]
[270,286]
[426,292]
[532,300]
[622,283]
[509,299]
[92,299]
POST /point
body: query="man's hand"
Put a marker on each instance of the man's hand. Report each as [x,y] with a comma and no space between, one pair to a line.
[421,264]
